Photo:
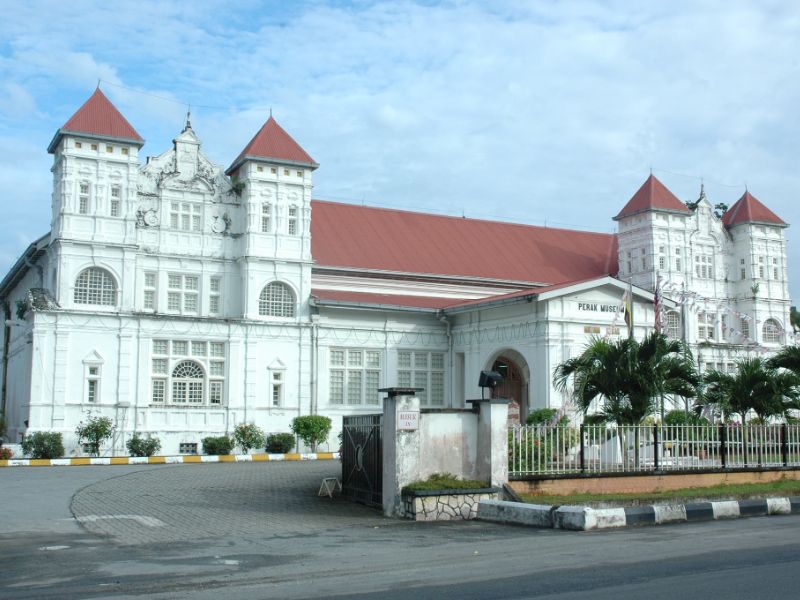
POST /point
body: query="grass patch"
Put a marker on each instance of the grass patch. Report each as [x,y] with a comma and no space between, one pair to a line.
[784,487]
[445,481]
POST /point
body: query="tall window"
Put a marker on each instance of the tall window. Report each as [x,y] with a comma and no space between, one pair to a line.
[292,220]
[177,379]
[355,376]
[182,293]
[83,199]
[92,383]
[276,300]
[149,291]
[187,383]
[114,205]
[745,329]
[276,385]
[95,286]
[422,370]
[705,326]
[185,216]
[761,267]
[772,332]
[266,218]
[704,266]
[673,325]
[215,288]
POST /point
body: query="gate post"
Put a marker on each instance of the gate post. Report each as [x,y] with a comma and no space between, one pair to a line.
[492,457]
[401,441]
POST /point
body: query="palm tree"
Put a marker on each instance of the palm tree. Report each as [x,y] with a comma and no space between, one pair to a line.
[787,358]
[756,385]
[629,377]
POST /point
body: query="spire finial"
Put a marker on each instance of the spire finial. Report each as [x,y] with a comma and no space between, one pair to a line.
[188,118]
[270,112]
[98,83]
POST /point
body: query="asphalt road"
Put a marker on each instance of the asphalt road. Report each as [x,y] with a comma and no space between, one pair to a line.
[259,531]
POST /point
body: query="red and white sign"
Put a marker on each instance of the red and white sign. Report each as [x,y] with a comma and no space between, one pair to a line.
[407,420]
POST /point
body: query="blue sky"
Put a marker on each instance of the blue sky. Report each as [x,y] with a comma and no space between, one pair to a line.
[537,112]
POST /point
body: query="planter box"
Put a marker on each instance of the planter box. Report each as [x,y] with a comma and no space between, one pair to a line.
[445,505]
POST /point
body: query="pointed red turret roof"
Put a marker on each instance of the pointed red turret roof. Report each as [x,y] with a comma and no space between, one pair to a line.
[653,195]
[98,118]
[273,143]
[748,209]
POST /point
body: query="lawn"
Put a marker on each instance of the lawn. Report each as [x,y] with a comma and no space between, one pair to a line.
[717,492]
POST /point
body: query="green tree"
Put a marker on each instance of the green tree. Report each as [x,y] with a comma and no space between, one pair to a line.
[756,385]
[788,358]
[312,429]
[630,378]
[95,431]
[43,444]
[247,436]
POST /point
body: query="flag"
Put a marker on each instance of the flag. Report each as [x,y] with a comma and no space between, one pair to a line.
[657,308]
[626,308]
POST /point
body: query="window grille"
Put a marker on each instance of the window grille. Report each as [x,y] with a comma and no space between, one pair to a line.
[355,376]
[276,300]
[95,286]
[422,370]
[772,332]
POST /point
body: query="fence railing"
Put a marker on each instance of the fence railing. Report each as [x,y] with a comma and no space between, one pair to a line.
[562,449]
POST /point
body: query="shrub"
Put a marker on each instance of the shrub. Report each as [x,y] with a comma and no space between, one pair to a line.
[445,481]
[140,446]
[217,446]
[544,416]
[280,443]
[312,429]
[95,431]
[6,453]
[43,444]
[247,436]
[680,417]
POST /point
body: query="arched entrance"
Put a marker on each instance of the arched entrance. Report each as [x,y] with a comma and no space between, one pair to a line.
[512,366]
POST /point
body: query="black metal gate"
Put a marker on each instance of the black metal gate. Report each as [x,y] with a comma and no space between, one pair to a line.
[362,459]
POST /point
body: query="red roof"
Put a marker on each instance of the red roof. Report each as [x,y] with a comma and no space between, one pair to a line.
[273,143]
[98,117]
[653,195]
[382,299]
[360,237]
[748,209]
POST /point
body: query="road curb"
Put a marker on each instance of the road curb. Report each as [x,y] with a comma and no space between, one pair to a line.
[164,460]
[584,518]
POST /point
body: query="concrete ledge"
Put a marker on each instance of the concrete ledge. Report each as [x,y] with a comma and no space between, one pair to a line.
[501,511]
[584,518]
[162,460]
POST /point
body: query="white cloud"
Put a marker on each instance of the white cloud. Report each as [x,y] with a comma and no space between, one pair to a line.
[519,110]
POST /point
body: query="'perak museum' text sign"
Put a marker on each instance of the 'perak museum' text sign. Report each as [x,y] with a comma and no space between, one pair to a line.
[407,420]
[599,307]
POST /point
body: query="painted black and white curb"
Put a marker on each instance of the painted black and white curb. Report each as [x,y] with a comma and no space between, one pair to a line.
[583,518]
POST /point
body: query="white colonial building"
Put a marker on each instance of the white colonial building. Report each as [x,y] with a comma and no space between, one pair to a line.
[181,299]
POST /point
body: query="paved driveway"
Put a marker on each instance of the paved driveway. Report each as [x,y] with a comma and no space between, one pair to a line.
[196,502]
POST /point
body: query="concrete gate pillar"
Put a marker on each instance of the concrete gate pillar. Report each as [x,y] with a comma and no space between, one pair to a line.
[401,443]
[492,457]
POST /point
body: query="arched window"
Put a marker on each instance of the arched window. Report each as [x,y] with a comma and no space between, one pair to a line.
[95,286]
[672,325]
[187,383]
[772,332]
[276,300]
